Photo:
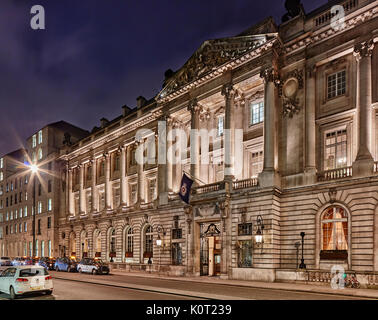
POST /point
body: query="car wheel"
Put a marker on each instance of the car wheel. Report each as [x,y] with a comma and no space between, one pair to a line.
[69,269]
[12,293]
[80,271]
[57,268]
[94,271]
[48,292]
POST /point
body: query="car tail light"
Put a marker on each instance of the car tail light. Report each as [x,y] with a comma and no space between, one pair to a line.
[48,278]
[21,280]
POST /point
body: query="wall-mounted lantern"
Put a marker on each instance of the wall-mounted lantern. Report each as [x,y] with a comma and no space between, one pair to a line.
[259,233]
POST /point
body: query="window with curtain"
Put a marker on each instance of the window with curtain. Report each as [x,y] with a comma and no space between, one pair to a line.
[112,241]
[129,242]
[335,153]
[148,241]
[334,226]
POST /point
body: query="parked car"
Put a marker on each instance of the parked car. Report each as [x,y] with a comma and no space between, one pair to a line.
[94,266]
[18,261]
[65,264]
[47,262]
[29,261]
[5,261]
[20,280]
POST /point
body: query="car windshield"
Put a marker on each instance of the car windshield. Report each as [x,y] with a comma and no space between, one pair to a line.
[5,258]
[33,272]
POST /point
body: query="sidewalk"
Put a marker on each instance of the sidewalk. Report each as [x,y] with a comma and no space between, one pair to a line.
[312,288]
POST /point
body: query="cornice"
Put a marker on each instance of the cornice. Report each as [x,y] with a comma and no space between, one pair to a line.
[328,32]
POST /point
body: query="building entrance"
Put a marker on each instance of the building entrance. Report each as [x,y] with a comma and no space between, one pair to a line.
[210,255]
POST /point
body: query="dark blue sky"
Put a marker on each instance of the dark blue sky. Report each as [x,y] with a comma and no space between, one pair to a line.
[96,56]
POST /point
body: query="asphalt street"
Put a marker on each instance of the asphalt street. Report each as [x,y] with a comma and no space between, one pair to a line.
[75,286]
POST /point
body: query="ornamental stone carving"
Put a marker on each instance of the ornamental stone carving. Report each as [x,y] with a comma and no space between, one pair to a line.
[288,91]
[364,49]
[270,75]
[228,91]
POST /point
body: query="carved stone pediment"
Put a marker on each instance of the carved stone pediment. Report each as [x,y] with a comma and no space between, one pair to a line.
[211,55]
[207,210]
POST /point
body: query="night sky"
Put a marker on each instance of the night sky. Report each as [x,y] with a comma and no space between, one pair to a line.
[96,56]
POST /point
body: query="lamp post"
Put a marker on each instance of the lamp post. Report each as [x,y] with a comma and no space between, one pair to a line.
[159,242]
[302,265]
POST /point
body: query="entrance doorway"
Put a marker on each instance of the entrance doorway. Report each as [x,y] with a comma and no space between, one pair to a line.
[210,250]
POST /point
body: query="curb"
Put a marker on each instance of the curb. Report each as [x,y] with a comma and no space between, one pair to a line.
[264,285]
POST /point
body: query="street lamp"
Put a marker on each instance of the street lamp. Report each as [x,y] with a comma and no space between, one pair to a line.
[159,241]
[34,170]
[302,265]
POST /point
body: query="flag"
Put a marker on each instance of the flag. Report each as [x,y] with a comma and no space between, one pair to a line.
[186,185]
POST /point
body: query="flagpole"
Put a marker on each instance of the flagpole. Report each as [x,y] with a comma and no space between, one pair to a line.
[194,178]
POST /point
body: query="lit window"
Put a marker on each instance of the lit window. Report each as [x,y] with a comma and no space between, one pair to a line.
[129,242]
[335,153]
[148,242]
[34,141]
[220,126]
[49,204]
[25,227]
[39,206]
[257,163]
[26,211]
[40,137]
[1,163]
[334,229]
[257,113]
[336,84]
[40,154]
[1,176]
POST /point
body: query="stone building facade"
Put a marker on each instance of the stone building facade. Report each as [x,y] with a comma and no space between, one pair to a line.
[16,192]
[293,148]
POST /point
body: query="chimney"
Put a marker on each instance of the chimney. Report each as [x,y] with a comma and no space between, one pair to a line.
[141,101]
[104,122]
[125,110]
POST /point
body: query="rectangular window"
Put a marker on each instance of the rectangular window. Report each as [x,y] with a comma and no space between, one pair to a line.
[1,176]
[336,84]
[25,211]
[48,222]
[40,137]
[220,126]
[176,233]
[34,141]
[25,227]
[176,254]
[49,186]
[49,204]
[245,229]
[49,248]
[39,206]
[245,254]
[39,226]
[335,153]
[257,113]
[1,163]
[257,163]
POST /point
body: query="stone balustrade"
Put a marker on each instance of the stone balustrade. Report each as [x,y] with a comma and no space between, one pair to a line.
[335,174]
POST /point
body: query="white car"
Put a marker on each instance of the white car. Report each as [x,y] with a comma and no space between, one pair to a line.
[19,280]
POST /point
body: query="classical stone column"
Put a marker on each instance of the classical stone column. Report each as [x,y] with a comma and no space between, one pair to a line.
[162,161]
[363,166]
[123,177]
[170,155]
[269,176]
[71,199]
[310,132]
[139,158]
[82,194]
[194,109]
[239,135]
[108,186]
[94,203]
[228,91]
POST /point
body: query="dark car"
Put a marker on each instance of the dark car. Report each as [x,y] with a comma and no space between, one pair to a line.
[5,261]
[48,263]
[65,264]
[94,266]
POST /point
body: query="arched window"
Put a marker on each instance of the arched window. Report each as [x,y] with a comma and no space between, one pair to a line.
[148,242]
[129,243]
[97,243]
[112,241]
[334,224]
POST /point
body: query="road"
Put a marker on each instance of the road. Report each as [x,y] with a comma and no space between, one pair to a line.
[75,286]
